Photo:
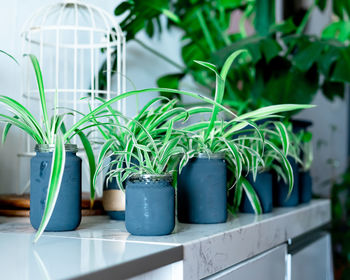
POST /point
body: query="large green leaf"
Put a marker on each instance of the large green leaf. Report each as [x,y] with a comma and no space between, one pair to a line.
[251,195]
[304,59]
[39,79]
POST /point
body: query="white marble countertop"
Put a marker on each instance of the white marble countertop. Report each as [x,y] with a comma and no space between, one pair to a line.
[102,244]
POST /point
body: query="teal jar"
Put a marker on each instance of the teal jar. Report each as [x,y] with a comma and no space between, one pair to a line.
[67,212]
[202,190]
[150,205]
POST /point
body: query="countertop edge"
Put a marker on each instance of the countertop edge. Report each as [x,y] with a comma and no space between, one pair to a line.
[137,266]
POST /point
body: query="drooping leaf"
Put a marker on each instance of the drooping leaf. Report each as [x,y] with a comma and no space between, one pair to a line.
[92,164]
[57,169]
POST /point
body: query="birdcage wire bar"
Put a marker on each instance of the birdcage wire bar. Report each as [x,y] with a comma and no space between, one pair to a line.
[73,41]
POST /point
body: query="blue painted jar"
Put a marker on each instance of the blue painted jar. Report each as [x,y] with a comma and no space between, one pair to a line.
[150,205]
[281,188]
[305,186]
[263,188]
[67,212]
[201,190]
[113,197]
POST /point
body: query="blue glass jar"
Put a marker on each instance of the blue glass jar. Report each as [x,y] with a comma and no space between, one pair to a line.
[67,212]
[202,191]
[263,188]
[305,185]
[281,189]
[113,197]
[150,205]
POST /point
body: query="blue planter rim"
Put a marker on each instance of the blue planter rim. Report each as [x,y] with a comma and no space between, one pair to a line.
[48,148]
[151,178]
[209,155]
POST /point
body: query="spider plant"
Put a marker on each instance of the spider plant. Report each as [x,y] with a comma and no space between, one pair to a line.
[263,154]
[149,143]
[51,133]
[216,136]
[303,139]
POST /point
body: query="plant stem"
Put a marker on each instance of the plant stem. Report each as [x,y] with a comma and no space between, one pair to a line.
[205,30]
[162,56]
[218,28]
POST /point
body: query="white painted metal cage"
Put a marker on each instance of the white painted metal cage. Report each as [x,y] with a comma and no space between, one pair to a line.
[81,50]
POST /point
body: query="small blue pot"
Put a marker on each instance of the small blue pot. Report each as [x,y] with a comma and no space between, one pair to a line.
[281,189]
[113,197]
[201,191]
[263,188]
[67,212]
[150,205]
[305,187]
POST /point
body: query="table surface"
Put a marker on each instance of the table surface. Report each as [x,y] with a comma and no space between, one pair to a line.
[100,244]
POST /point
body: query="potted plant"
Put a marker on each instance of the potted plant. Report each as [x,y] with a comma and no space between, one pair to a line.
[145,153]
[55,199]
[286,194]
[306,154]
[260,179]
[155,121]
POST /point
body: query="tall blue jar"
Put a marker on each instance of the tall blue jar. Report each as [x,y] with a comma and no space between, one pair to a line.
[67,212]
[113,197]
[263,188]
[150,205]
[281,188]
[201,190]
[305,186]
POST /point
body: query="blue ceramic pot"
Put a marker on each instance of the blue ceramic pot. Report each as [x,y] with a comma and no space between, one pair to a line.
[150,205]
[305,187]
[201,190]
[113,197]
[281,189]
[263,188]
[67,212]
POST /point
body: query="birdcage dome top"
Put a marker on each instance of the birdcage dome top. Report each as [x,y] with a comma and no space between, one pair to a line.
[83,25]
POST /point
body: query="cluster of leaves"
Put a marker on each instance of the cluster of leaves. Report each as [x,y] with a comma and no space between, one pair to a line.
[150,143]
[280,55]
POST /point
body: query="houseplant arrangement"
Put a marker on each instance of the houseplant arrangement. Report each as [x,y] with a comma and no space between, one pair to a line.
[231,128]
[56,164]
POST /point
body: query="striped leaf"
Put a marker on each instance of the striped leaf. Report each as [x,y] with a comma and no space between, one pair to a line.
[251,195]
[57,169]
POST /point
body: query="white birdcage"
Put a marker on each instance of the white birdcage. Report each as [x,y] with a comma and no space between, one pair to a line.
[77,44]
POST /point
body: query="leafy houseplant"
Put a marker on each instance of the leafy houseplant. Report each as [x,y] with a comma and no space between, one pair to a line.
[282,55]
[213,139]
[122,141]
[54,155]
[144,154]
